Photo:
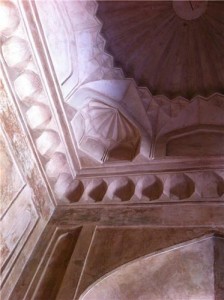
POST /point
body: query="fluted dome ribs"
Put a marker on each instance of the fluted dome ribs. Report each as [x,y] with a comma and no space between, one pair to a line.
[175,49]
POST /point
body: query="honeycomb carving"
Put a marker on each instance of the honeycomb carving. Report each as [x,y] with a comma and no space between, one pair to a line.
[113,139]
[121,189]
[38,116]
[27,85]
[31,97]
[196,186]
[47,142]
[62,184]
[179,187]
[211,185]
[149,187]
[75,191]
[104,133]
[56,165]
[9,18]
[16,53]
[96,190]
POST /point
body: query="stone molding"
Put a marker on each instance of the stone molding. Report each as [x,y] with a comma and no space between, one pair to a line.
[29,92]
[170,187]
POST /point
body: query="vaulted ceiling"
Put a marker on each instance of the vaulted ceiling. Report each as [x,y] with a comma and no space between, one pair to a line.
[175,48]
[123,100]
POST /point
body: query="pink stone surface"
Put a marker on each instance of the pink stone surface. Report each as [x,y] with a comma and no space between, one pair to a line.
[131,261]
[167,45]
[151,176]
[184,272]
[115,246]
[11,181]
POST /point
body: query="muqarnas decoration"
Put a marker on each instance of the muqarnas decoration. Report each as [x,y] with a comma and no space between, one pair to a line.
[104,133]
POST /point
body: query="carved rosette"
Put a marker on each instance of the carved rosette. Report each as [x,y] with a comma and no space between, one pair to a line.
[104,133]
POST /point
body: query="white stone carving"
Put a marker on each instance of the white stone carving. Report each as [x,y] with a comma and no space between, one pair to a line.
[113,121]
[56,165]
[9,18]
[61,43]
[38,116]
[34,104]
[16,52]
[73,39]
[47,143]
[187,129]
[27,85]
[104,133]
[62,184]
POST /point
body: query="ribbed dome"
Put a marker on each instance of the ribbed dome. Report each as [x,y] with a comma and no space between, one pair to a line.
[170,49]
[104,133]
[108,122]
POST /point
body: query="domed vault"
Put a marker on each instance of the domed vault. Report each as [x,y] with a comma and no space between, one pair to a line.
[175,48]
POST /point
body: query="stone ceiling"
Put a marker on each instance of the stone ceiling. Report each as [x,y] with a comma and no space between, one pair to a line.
[97,135]
[175,48]
[84,149]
